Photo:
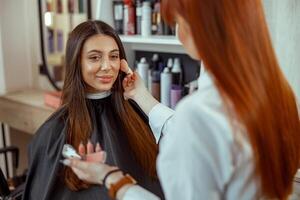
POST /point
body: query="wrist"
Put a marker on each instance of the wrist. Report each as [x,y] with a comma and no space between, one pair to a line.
[113,178]
[118,189]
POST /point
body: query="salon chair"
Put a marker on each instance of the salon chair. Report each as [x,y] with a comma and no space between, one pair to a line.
[15,182]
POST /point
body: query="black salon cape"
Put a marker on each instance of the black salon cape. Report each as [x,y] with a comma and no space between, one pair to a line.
[44,179]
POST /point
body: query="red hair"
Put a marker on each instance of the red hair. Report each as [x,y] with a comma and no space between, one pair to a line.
[233,41]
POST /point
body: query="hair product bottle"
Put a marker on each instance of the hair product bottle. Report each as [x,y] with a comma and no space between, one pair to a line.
[138,11]
[155,86]
[157,24]
[129,18]
[165,87]
[176,72]
[60,40]
[153,67]
[118,16]
[170,63]
[175,95]
[142,69]
[146,18]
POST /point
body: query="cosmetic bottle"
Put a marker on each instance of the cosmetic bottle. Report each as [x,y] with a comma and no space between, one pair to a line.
[146,19]
[154,66]
[165,87]
[157,24]
[170,63]
[60,41]
[138,11]
[118,16]
[129,18]
[59,6]
[50,41]
[155,86]
[176,72]
[142,69]
[175,95]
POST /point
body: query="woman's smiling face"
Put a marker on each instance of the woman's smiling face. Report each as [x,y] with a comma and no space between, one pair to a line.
[100,63]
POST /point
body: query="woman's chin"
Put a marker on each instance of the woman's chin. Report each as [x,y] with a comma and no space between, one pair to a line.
[104,88]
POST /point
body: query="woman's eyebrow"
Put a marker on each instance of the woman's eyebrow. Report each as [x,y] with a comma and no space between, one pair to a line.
[98,51]
[94,51]
[114,50]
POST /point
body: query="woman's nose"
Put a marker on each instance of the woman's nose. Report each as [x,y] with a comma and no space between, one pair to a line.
[105,65]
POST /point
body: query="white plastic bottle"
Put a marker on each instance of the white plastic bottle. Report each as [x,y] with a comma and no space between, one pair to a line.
[165,86]
[146,19]
[142,69]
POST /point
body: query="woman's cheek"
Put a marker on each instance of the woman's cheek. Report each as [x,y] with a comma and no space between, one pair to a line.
[116,65]
[91,67]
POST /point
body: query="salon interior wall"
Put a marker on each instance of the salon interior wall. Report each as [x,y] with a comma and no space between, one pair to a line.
[19,59]
[284,23]
[2,82]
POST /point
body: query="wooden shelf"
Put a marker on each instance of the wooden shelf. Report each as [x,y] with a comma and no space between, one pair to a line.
[24,110]
[158,40]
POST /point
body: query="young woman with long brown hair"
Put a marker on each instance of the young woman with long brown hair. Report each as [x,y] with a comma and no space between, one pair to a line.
[238,136]
[93,108]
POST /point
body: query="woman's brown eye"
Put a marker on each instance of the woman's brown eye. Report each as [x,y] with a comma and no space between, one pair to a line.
[114,57]
[94,58]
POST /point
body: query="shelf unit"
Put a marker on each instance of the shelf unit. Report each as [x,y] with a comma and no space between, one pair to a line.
[155,39]
[154,43]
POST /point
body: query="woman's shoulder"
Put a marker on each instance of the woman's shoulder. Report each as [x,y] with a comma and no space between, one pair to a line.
[202,105]
[205,120]
[204,114]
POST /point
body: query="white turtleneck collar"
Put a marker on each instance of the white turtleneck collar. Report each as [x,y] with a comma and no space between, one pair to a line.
[98,95]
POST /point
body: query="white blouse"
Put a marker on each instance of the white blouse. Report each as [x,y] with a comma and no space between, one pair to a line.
[200,157]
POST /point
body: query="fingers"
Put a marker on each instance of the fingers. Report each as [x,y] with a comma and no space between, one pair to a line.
[128,80]
[81,149]
[99,157]
[124,67]
[89,147]
[98,147]
[125,82]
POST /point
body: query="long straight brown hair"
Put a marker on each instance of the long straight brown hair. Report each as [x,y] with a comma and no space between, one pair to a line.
[79,122]
[233,41]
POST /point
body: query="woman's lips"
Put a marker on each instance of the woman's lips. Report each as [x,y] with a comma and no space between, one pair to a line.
[105,78]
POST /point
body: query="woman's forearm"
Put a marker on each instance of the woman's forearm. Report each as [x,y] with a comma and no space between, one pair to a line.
[145,101]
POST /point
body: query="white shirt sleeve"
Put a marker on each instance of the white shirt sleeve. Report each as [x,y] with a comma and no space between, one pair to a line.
[159,120]
[136,192]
